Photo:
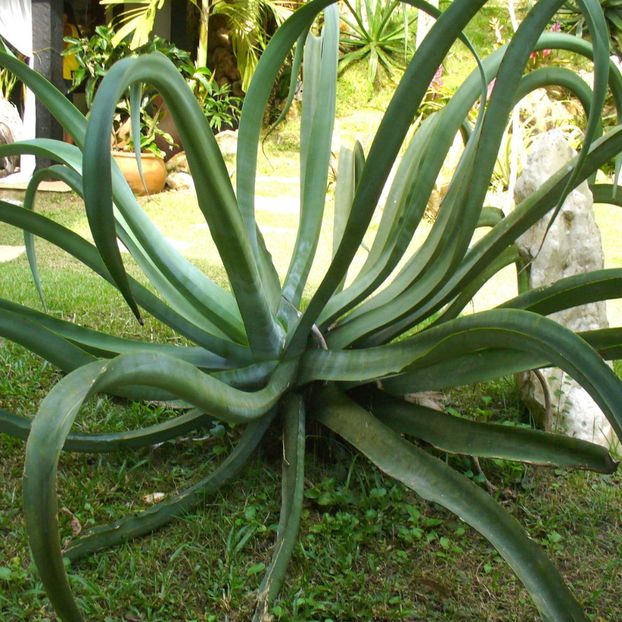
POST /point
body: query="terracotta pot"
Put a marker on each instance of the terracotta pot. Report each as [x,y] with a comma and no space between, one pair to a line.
[154,172]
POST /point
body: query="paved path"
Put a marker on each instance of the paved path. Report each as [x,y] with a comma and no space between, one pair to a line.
[9,253]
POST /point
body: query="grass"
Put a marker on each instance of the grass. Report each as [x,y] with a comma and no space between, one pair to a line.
[369,549]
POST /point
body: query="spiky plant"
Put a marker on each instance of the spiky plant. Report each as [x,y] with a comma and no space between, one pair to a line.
[347,358]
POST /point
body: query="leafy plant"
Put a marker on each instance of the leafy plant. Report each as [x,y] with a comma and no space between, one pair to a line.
[219,106]
[344,360]
[572,20]
[376,32]
[97,54]
[250,26]
[149,130]
[7,79]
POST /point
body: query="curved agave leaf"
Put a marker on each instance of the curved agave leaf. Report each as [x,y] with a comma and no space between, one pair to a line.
[292,495]
[185,287]
[508,257]
[59,409]
[516,329]
[467,95]
[104,345]
[570,292]
[56,102]
[78,247]
[58,172]
[256,101]
[169,261]
[487,440]
[149,520]
[215,194]
[490,216]
[84,442]
[402,298]
[597,26]
[606,193]
[316,131]
[489,246]
[38,339]
[163,286]
[435,481]
[450,238]
[492,362]
[404,208]
[384,149]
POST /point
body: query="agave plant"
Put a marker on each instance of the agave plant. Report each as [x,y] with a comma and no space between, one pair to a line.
[376,32]
[346,358]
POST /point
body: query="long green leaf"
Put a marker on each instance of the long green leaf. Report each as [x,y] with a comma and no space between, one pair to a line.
[488,440]
[292,495]
[435,481]
[19,427]
[149,520]
[386,145]
[451,237]
[38,339]
[187,289]
[58,172]
[516,329]
[61,406]
[104,345]
[570,292]
[490,363]
[494,242]
[215,194]
[316,130]
[87,253]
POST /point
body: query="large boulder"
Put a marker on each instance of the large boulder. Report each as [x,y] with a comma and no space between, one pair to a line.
[572,246]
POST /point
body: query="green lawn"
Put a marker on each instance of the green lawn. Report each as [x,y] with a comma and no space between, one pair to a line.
[369,549]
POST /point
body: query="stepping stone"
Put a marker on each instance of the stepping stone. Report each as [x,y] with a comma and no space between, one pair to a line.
[9,253]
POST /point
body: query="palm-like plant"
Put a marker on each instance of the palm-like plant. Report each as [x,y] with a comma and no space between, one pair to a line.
[247,19]
[346,360]
[377,32]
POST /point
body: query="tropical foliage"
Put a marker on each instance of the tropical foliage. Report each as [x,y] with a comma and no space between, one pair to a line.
[95,55]
[259,357]
[7,79]
[376,32]
[250,24]
[572,20]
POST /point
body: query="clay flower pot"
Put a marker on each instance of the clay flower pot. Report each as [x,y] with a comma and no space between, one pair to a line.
[154,171]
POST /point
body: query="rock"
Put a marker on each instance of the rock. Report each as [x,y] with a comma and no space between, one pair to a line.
[572,246]
[178,163]
[228,142]
[180,181]
[545,113]
[225,65]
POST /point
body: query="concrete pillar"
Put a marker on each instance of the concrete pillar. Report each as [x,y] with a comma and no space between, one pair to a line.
[47,43]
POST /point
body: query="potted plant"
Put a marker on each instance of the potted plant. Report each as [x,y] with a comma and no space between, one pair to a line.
[95,56]
[143,168]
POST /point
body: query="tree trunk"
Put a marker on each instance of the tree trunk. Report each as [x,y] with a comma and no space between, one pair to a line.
[203,34]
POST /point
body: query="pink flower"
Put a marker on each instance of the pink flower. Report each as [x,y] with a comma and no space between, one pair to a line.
[490,87]
[437,80]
